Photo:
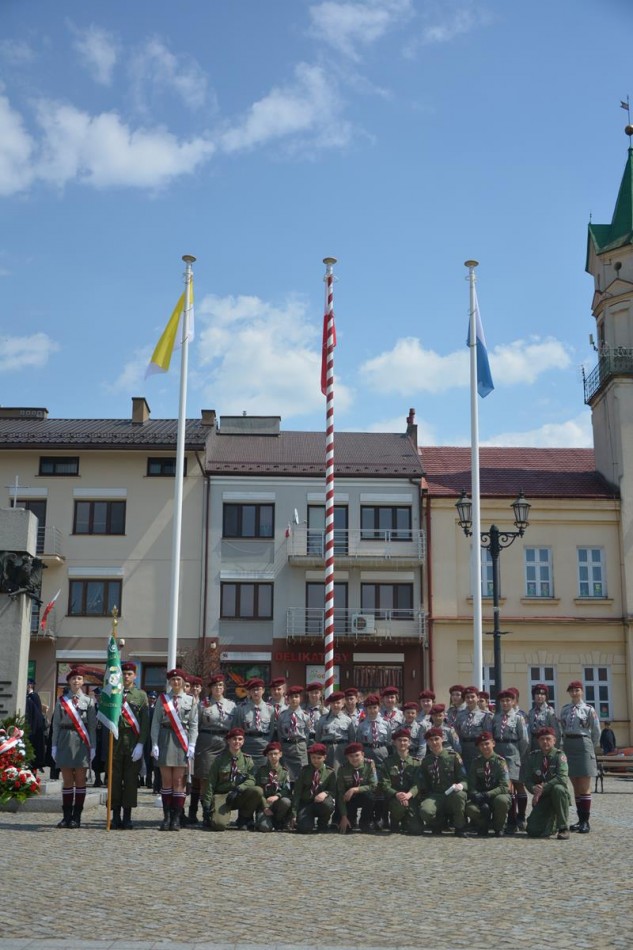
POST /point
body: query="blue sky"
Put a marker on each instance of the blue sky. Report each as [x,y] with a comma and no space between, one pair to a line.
[400,136]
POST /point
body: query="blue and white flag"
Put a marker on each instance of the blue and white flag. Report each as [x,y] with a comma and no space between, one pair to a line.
[485,384]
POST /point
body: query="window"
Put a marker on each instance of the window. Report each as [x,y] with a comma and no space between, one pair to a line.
[591,576]
[246,601]
[385,523]
[94,598]
[99,517]
[488,679]
[486,573]
[316,530]
[544,674]
[387,600]
[597,691]
[538,572]
[315,608]
[249,521]
[52,465]
[163,467]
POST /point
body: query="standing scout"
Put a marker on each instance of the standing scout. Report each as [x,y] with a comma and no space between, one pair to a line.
[73,748]
[174,733]
[215,719]
[356,783]
[335,730]
[510,734]
[230,786]
[398,782]
[488,788]
[274,782]
[128,748]
[471,722]
[545,775]
[314,793]
[540,715]
[314,707]
[581,734]
[293,731]
[257,719]
[442,785]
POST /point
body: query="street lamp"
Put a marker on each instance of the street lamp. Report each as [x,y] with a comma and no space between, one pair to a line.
[495,541]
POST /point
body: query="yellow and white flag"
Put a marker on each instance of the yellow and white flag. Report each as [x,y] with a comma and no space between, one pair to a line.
[161,357]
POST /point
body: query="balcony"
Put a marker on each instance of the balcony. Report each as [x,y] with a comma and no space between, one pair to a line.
[53,622]
[612,362]
[357,625]
[49,546]
[356,547]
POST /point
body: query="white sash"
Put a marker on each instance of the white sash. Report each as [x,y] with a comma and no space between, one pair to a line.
[174,718]
[71,710]
[130,718]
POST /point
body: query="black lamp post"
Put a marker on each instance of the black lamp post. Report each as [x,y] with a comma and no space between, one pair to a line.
[495,541]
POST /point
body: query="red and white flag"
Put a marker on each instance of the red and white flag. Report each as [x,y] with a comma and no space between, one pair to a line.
[48,609]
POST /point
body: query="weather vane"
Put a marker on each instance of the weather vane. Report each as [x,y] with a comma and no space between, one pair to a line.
[628,128]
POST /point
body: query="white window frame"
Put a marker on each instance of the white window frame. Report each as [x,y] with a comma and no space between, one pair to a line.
[595,574]
[602,706]
[486,573]
[542,560]
[488,679]
[543,677]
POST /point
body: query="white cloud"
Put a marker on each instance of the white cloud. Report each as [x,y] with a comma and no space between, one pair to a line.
[259,357]
[102,150]
[131,379]
[574,433]
[410,368]
[445,21]
[16,149]
[16,52]
[308,107]
[99,51]
[25,352]
[154,68]
[348,26]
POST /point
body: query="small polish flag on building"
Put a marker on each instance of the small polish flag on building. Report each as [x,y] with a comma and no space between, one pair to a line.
[48,609]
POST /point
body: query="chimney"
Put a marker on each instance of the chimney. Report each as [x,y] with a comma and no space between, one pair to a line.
[412,429]
[140,410]
[208,417]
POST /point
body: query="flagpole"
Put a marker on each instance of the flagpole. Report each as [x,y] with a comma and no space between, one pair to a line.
[172,641]
[113,633]
[474,464]
[328,355]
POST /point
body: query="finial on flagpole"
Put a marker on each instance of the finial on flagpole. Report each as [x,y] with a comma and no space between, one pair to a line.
[471,263]
[328,261]
[188,258]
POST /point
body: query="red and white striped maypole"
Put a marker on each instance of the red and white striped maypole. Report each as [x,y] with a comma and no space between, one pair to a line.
[327,388]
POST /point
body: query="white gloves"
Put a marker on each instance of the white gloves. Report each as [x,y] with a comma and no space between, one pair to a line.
[54,753]
[154,751]
[137,752]
[191,751]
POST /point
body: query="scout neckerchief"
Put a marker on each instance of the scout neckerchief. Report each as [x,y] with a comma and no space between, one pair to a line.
[233,775]
[130,718]
[545,766]
[71,710]
[435,769]
[273,779]
[293,724]
[172,714]
[258,718]
[356,777]
[316,781]
[487,773]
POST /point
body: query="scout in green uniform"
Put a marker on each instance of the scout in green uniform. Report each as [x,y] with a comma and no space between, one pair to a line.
[356,783]
[314,793]
[231,784]
[274,782]
[545,774]
[488,788]
[398,778]
[128,748]
[442,784]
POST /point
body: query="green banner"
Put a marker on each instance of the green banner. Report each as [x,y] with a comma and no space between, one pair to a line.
[111,696]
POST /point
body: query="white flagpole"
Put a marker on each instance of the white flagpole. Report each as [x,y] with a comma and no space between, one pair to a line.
[172,642]
[475,569]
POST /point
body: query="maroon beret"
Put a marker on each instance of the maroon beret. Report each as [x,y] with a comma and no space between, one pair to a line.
[390,691]
[74,672]
[402,733]
[372,700]
[540,688]
[335,696]
[545,731]
[175,672]
[235,731]
[427,694]
[128,667]
[470,689]
[255,683]
[505,694]
[317,748]
[272,747]
[482,737]
[437,709]
[458,688]
[351,691]
[353,747]
[411,705]
[216,678]
[294,690]
[514,691]
[575,684]
[434,732]
[278,681]
[313,686]
[195,680]
[483,694]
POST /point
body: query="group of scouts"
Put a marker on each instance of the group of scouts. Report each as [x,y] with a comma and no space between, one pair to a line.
[338,764]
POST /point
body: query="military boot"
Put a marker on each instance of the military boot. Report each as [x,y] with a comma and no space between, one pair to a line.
[116,818]
[174,821]
[126,824]
[164,825]
[68,814]
[75,821]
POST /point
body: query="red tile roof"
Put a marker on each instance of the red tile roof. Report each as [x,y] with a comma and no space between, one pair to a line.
[544,473]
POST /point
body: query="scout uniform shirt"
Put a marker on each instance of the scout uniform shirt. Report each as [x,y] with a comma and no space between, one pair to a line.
[228,773]
[363,778]
[273,780]
[580,720]
[537,718]
[308,785]
[489,775]
[510,734]
[72,751]
[545,769]
[139,706]
[399,775]
[437,773]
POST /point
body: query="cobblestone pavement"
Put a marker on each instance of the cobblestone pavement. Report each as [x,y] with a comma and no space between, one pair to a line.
[82,889]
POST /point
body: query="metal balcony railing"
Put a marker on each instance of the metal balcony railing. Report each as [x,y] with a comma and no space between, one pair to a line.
[359,543]
[356,623]
[49,543]
[612,361]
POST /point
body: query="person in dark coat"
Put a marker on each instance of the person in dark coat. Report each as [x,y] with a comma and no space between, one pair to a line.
[36,722]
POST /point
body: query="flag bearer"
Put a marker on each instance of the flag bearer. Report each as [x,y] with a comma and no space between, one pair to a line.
[128,748]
